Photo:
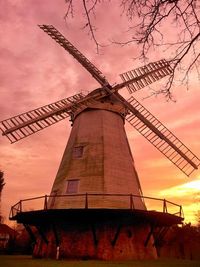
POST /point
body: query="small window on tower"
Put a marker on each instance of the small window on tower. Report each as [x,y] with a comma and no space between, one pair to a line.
[72,186]
[77,152]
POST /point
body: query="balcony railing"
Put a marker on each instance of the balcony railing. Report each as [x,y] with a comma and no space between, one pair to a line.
[86,202]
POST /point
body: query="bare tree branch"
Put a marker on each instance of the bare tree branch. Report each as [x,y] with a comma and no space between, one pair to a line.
[148,20]
[92,29]
[89,13]
[70,10]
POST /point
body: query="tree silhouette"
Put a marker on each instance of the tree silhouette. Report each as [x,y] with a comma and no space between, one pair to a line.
[148,20]
[2,183]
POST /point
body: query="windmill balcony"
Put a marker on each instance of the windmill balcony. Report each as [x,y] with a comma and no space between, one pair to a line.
[85,202]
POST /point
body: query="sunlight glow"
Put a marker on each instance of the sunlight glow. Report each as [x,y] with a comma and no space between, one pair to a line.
[189,194]
[190,188]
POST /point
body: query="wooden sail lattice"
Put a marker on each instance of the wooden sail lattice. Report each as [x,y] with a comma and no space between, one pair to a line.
[162,138]
[25,124]
[146,75]
[59,38]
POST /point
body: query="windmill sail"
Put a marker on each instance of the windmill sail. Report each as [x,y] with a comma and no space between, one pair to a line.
[59,38]
[28,123]
[139,78]
[23,125]
[163,139]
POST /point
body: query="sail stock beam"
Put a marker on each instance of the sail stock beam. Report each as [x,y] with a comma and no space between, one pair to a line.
[159,136]
[59,38]
[25,124]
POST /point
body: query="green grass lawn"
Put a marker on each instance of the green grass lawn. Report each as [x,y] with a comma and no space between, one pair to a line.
[28,261]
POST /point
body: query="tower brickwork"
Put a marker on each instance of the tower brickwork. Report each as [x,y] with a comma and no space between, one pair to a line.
[97,160]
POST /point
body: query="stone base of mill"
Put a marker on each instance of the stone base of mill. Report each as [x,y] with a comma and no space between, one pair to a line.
[102,234]
[104,241]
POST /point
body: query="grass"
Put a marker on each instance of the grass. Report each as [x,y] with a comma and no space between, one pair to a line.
[28,261]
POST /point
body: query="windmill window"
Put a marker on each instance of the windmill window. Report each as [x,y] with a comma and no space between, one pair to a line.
[77,152]
[72,186]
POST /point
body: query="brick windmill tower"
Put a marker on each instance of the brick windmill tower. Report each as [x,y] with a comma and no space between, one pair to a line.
[96,208]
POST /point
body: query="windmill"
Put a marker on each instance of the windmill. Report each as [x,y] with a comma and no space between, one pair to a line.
[97,173]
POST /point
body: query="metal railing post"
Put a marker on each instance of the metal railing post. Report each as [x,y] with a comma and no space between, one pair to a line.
[86,201]
[20,206]
[164,205]
[11,212]
[181,211]
[45,202]
[131,201]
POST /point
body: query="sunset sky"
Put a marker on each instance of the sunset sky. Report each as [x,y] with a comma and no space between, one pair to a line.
[35,71]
